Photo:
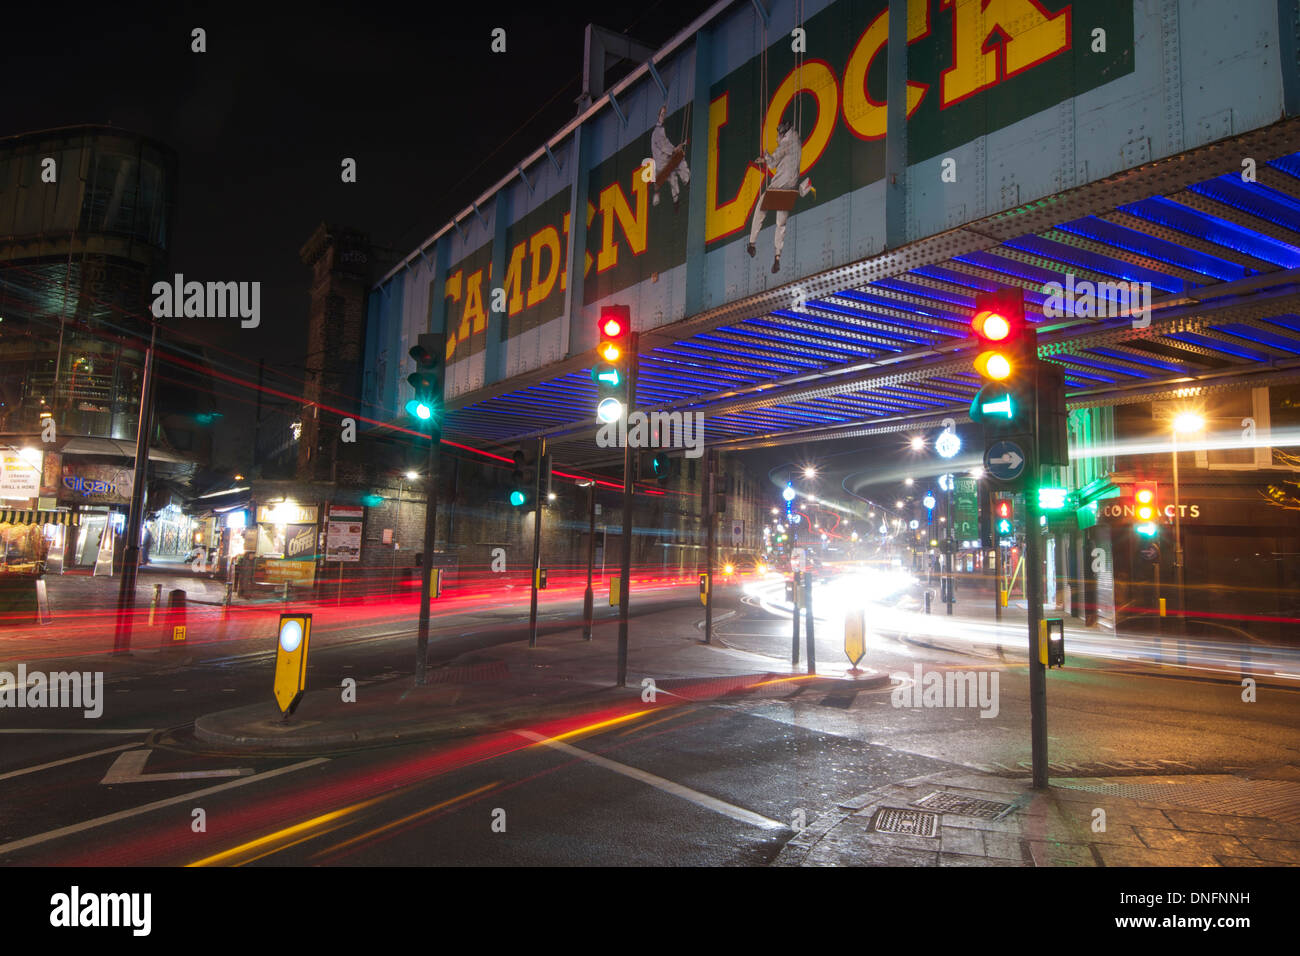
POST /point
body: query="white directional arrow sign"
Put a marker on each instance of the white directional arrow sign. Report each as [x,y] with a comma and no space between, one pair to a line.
[1007,458]
[129,768]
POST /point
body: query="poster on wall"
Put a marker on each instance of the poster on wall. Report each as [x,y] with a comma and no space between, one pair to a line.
[343,535]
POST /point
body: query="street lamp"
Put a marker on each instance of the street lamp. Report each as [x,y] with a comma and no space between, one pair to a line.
[917,442]
[810,472]
[1187,423]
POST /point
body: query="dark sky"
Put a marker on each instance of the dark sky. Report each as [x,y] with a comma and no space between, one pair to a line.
[262,120]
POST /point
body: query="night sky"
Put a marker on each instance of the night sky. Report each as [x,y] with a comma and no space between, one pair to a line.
[263,119]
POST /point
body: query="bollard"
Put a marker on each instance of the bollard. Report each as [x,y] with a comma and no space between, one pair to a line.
[929,596]
[157,598]
[174,632]
[810,640]
[286,592]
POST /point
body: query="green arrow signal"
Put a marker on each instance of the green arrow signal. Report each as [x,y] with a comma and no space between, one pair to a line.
[1001,406]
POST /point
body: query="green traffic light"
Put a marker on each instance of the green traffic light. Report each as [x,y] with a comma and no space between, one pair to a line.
[517,498]
[1146,530]
[421,410]
[1051,499]
[606,376]
[1004,526]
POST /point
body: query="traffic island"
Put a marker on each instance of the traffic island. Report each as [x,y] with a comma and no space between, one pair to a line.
[512,687]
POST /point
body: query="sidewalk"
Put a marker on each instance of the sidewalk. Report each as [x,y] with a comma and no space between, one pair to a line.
[965,818]
[511,684]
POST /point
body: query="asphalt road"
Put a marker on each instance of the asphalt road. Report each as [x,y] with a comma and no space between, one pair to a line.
[721,782]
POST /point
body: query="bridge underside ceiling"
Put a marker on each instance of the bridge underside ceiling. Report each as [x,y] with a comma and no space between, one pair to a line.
[1221,256]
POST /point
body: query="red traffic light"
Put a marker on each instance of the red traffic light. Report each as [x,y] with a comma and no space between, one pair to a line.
[991,325]
[1004,509]
[615,321]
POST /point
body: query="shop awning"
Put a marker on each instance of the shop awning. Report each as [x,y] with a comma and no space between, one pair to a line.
[38,517]
[120,449]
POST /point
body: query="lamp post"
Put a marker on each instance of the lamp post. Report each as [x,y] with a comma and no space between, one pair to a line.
[1186,422]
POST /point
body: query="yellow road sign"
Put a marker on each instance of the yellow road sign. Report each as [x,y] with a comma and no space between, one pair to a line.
[613,590]
[178,632]
[294,635]
[855,636]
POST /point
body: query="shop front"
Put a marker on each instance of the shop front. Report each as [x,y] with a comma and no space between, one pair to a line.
[288,544]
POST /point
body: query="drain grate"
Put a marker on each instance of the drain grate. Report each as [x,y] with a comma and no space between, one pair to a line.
[964,806]
[903,820]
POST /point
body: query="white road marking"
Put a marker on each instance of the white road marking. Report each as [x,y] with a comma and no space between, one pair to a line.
[129,768]
[150,807]
[59,763]
[75,730]
[667,786]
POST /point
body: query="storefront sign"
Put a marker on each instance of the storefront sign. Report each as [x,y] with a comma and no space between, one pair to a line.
[285,513]
[20,475]
[299,542]
[300,573]
[96,482]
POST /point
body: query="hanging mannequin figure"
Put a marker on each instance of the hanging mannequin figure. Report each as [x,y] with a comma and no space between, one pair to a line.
[779,195]
[669,161]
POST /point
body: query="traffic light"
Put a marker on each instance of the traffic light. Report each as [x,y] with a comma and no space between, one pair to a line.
[1007,362]
[426,380]
[1005,523]
[614,355]
[523,480]
[999,325]
[1146,508]
[664,467]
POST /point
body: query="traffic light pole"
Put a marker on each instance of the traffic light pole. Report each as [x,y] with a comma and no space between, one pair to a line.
[426,566]
[995,541]
[951,546]
[1034,591]
[625,582]
[537,539]
[588,597]
[710,538]
[135,516]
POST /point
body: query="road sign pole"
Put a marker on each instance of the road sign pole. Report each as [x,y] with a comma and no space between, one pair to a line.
[625,589]
[537,539]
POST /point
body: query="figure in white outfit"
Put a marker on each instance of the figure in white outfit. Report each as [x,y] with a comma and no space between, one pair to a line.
[664,152]
[784,164]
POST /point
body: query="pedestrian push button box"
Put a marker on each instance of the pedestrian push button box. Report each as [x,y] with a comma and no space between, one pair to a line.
[1051,642]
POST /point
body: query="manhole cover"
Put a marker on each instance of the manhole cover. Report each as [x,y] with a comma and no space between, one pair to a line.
[900,820]
[964,806]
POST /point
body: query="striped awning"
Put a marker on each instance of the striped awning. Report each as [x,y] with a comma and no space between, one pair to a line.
[39,517]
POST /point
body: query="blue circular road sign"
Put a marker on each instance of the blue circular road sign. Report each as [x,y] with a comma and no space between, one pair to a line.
[1004,460]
